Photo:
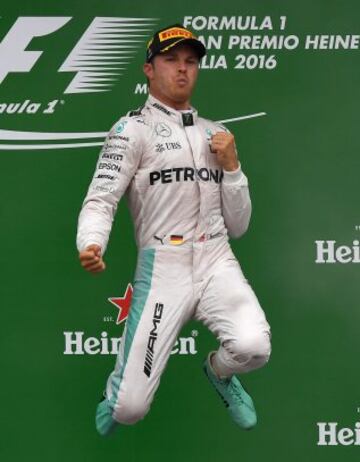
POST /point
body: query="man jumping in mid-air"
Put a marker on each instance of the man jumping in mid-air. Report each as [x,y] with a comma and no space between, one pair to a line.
[187,192]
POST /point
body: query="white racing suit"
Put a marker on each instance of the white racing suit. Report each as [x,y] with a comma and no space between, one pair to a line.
[183,206]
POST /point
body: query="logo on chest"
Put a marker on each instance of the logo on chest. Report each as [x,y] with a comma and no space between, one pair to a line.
[170,146]
[163,130]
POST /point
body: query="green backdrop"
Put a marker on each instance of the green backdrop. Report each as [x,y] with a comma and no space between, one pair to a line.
[302,160]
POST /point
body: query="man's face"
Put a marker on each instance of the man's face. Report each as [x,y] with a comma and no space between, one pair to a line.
[172,75]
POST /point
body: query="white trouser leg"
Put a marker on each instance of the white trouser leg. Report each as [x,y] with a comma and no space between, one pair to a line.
[161,305]
[231,310]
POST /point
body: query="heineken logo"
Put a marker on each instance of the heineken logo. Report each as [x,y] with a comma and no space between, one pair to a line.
[78,343]
[331,435]
[332,252]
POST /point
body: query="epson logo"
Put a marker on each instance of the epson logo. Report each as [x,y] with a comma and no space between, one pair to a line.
[108,166]
[330,435]
[330,252]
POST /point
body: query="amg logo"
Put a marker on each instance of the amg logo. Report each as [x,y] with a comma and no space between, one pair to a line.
[152,338]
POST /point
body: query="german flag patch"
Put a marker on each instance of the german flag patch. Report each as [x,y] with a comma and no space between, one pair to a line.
[176,239]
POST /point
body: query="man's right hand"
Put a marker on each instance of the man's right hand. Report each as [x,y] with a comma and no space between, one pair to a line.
[91,259]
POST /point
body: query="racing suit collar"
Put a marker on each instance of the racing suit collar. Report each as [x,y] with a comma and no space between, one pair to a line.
[168,112]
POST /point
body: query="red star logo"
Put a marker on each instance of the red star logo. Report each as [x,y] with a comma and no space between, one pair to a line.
[123,304]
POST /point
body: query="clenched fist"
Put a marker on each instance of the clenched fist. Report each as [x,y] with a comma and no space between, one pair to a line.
[223,145]
[91,259]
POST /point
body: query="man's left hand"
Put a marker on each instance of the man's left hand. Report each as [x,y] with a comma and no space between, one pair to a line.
[223,145]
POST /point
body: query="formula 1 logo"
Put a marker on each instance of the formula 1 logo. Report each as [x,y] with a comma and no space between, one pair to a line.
[94,63]
[102,52]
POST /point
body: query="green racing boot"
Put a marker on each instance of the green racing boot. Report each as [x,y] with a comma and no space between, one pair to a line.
[235,398]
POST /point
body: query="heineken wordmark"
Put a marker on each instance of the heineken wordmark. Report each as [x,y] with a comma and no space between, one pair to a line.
[330,252]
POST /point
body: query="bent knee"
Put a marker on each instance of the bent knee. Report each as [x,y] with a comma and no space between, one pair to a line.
[253,351]
[130,410]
